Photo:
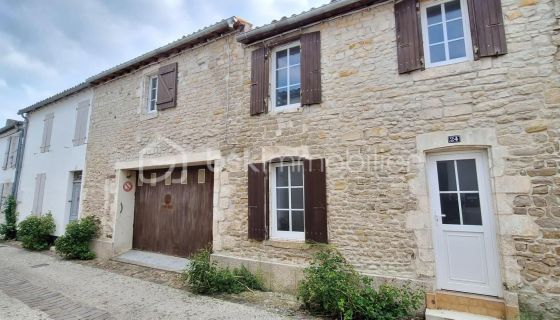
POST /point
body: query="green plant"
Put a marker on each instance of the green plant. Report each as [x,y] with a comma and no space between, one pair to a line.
[205,277]
[74,244]
[8,230]
[332,287]
[35,232]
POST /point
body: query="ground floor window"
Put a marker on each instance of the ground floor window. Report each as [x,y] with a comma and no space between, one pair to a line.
[287,201]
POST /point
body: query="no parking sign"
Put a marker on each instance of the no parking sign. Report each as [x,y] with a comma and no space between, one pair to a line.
[127,186]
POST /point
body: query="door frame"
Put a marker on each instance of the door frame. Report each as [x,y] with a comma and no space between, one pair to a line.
[494,257]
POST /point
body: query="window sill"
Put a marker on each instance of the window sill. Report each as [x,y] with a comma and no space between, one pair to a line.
[289,109]
[149,115]
[287,244]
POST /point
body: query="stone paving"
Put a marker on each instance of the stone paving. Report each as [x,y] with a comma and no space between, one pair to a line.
[41,286]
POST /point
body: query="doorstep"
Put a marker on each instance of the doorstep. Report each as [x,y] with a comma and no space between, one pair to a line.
[153,260]
[462,304]
[434,314]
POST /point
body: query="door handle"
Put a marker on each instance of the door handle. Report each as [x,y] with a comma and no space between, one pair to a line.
[437,216]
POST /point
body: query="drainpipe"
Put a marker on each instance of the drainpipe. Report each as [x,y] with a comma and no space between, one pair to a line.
[19,160]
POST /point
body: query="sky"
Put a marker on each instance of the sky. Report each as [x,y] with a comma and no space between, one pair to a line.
[49,46]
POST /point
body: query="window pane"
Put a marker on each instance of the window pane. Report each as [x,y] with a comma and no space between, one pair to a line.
[282,200]
[295,94]
[455,29]
[467,175]
[297,175]
[297,221]
[281,59]
[450,208]
[437,53]
[452,10]
[281,78]
[435,33]
[294,55]
[457,49]
[434,14]
[154,83]
[297,198]
[446,176]
[283,220]
[152,105]
[282,176]
[295,75]
[470,206]
[281,97]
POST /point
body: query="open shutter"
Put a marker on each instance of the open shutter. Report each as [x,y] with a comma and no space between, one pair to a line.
[257,202]
[410,53]
[315,201]
[167,87]
[310,68]
[40,180]
[487,28]
[259,81]
[47,132]
[7,155]
[12,156]
[80,131]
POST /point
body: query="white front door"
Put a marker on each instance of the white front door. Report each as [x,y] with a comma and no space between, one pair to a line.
[464,237]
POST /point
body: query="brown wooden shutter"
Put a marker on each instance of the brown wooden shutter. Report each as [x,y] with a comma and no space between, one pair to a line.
[315,201]
[310,68]
[259,81]
[167,87]
[487,28]
[256,198]
[410,54]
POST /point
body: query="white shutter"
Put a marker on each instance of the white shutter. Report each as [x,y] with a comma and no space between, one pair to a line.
[2,198]
[80,132]
[13,151]
[39,193]
[47,132]
[6,156]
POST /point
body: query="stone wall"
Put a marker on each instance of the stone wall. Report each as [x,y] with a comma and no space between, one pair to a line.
[369,128]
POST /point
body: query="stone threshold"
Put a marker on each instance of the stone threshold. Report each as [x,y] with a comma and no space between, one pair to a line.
[465,303]
[153,260]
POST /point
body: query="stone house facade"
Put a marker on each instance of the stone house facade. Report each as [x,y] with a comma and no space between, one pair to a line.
[385,136]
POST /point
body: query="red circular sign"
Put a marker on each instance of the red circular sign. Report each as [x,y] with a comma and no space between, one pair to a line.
[127,186]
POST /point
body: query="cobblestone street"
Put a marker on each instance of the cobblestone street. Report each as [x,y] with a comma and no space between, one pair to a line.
[39,286]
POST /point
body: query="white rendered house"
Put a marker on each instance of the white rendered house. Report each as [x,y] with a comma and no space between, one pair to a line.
[54,157]
[10,138]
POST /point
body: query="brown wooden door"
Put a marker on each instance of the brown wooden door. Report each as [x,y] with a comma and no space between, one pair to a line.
[175,216]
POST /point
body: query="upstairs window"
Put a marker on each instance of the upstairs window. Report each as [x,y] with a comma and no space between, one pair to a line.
[286,77]
[152,94]
[446,32]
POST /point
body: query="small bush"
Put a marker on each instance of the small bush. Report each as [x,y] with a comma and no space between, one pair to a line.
[74,244]
[34,232]
[332,287]
[205,277]
[8,230]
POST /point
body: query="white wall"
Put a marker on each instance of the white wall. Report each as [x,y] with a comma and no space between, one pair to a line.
[58,163]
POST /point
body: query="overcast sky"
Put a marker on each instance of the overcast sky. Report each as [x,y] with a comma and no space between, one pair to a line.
[49,46]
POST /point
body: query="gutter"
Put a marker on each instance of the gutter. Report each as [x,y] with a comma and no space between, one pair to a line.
[324,12]
[19,160]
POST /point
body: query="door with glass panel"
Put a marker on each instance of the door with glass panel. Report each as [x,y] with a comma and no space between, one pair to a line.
[464,237]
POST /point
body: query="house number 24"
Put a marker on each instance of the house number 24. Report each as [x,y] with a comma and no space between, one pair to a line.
[454,139]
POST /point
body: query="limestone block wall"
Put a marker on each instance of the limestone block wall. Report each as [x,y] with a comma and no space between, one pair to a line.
[368,127]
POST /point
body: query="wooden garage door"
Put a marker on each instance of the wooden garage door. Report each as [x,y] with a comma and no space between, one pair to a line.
[174,215]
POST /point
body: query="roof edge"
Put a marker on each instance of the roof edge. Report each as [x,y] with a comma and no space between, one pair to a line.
[54,98]
[329,10]
[10,124]
[227,25]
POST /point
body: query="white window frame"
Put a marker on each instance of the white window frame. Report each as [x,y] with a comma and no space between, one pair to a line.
[150,98]
[273,78]
[466,30]
[274,233]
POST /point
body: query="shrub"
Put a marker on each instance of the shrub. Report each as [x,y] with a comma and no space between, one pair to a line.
[35,232]
[332,287]
[8,230]
[205,277]
[74,244]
